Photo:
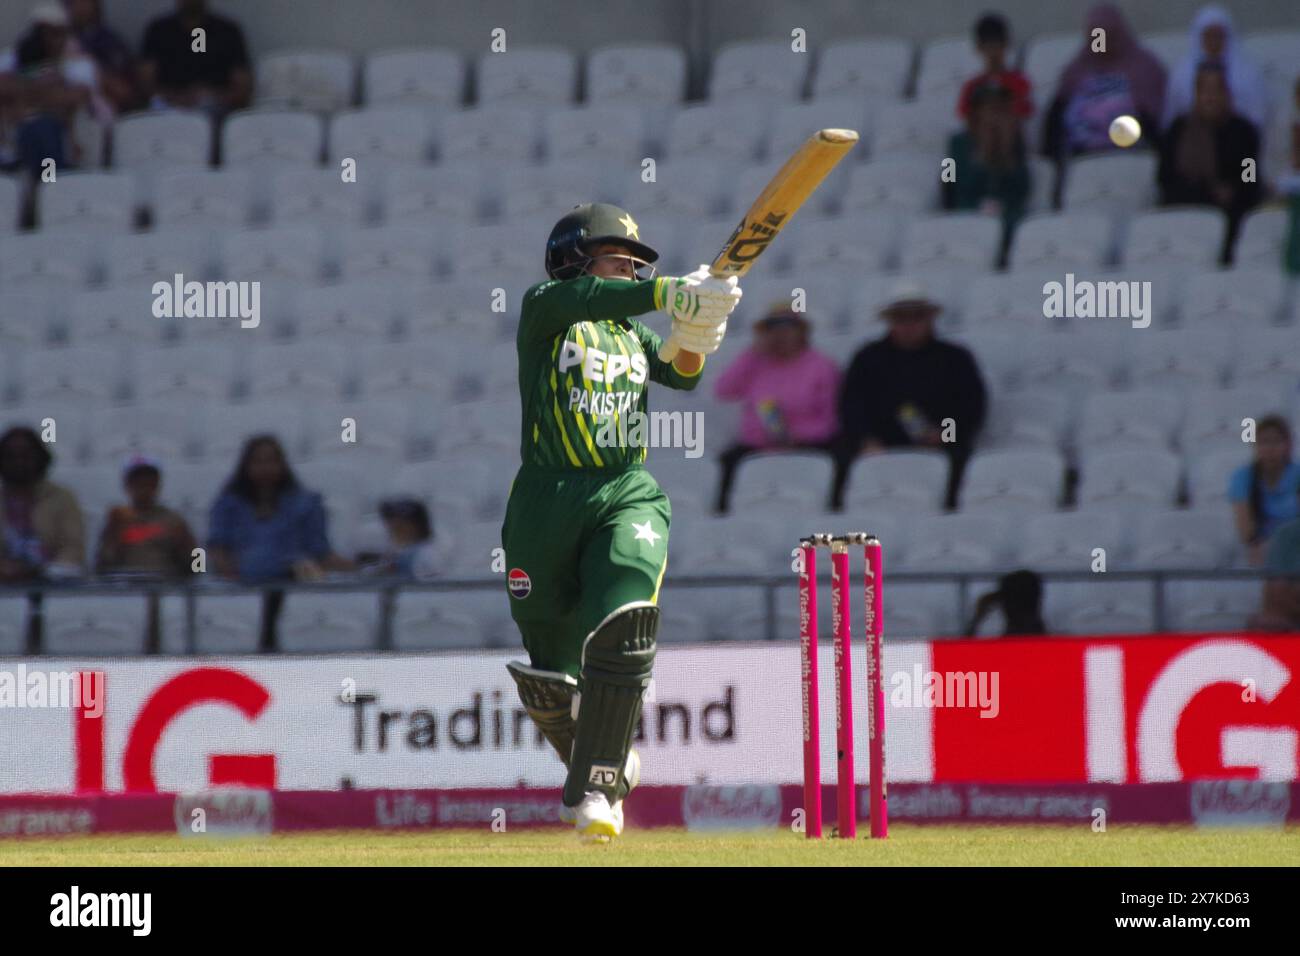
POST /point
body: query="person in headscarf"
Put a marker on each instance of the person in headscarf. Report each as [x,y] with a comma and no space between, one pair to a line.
[1201,156]
[1112,75]
[1212,40]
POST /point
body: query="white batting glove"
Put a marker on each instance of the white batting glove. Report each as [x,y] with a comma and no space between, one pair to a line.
[699,296]
[701,338]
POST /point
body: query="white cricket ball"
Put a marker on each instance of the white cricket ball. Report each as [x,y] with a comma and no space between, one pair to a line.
[1125,131]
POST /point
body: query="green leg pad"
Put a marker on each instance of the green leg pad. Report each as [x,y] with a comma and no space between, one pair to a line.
[548,698]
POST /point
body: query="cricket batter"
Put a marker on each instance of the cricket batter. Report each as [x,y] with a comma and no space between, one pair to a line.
[586,526]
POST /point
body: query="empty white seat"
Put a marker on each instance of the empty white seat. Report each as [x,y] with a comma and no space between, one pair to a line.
[448,193]
[546,192]
[1268,358]
[30,319]
[1237,297]
[295,253]
[1046,55]
[153,141]
[1276,52]
[13,625]
[272,138]
[425,620]
[638,73]
[482,428]
[1060,241]
[355,312]
[1076,362]
[85,201]
[1144,418]
[1261,239]
[141,259]
[919,126]
[1130,479]
[1181,359]
[1196,540]
[916,611]
[902,183]
[967,241]
[301,369]
[429,76]
[381,135]
[1013,480]
[879,66]
[738,543]
[1066,541]
[1007,300]
[493,133]
[1033,418]
[1174,237]
[194,372]
[469,488]
[946,64]
[228,427]
[797,477]
[1110,183]
[763,69]
[316,197]
[317,80]
[1217,419]
[1208,474]
[85,625]
[376,430]
[528,76]
[1100,606]
[794,123]
[726,132]
[410,366]
[223,624]
[907,481]
[610,133]
[328,622]
[954,542]
[203,197]
[1201,606]
[854,244]
[73,374]
[45,261]
[167,431]
[494,252]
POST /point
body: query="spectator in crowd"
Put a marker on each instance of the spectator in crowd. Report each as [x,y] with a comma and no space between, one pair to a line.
[1211,41]
[1201,156]
[1266,493]
[993,42]
[787,390]
[52,107]
[117,70]
[1019,597]
[265,526]
[1280,608]
[1112,75]
[217,80]
[410,537]
[41,531]
[144,537]
[992,169]
[910,389]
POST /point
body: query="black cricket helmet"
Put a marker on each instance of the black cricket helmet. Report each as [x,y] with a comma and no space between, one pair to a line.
[586,226]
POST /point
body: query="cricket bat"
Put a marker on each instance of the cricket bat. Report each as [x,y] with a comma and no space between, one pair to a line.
[780,199]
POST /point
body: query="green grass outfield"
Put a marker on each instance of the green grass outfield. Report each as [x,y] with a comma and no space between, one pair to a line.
[906,846]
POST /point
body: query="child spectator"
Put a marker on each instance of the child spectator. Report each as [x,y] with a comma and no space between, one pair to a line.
[1121,78]
[265,526]
[992,170]
[410,536]
[1266,493]
[788,391]
[1212,42]
[1019,599]
[1201,156]
[144,537]
[41,531]
[993,41]
[216,81]
[899,390]
[112,56]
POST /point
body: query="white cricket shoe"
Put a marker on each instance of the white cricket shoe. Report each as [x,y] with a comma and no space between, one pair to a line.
[632,772]
[595,820]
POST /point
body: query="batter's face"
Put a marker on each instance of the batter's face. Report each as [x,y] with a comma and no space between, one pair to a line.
[609,260]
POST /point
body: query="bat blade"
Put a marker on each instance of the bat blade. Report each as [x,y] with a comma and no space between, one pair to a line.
[780,199]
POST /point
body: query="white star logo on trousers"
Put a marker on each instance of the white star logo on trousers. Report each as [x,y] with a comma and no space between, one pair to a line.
[646,533]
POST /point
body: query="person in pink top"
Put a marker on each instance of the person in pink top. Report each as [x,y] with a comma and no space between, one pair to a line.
[788,390]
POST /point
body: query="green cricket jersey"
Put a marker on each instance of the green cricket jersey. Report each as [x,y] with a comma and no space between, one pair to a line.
[584,365]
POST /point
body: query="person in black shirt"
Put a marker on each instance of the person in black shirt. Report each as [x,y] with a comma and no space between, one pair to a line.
[900,390]
[217,80]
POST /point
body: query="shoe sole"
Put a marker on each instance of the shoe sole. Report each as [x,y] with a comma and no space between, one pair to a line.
[599,831]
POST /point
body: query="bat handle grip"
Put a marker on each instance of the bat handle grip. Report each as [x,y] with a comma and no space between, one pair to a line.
[668,351]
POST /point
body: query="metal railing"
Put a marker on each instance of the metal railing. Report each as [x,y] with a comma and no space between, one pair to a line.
[387,592]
